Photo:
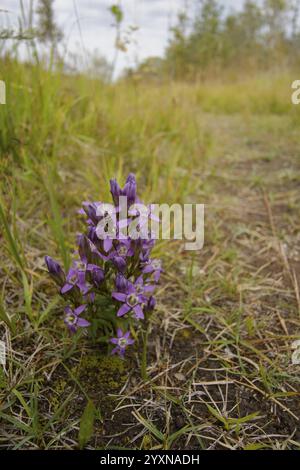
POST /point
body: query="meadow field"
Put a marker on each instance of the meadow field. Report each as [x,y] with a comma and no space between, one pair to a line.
[219,369]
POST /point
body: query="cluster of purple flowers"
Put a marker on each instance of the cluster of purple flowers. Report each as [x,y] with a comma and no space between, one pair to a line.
[112,279]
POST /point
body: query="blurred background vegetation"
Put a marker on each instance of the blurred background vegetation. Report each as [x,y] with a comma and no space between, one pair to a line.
[63,113]
[216,60]
[206,41]
[260,37]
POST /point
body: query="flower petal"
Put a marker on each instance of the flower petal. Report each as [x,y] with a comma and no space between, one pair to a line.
[82,323]
[148,269]
[119,333]
[72,273]
[66,288]
[119,296]
[123,310]
[107,244]
[121,352]
[138,312]
[79,309]
[149,288]
[68,310]
[120,263]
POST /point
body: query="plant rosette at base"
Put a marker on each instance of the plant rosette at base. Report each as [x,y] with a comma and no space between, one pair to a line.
[109,288]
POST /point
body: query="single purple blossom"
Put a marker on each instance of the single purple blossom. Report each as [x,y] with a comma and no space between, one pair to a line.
[118,261]
[153,266]
[123,250]
[96,212]
[145,247]
[129,190]
[142,288]
[76,277]
[115,191]
[88,252]
[133,300]
[72,319]
[55,271]
[122,341]
[92,235]
[90,209]
[121,282]
[96,274]
[151,303]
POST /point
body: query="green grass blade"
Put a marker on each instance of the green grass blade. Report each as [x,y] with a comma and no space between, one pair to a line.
[86,424]
[12,243]
[56,223]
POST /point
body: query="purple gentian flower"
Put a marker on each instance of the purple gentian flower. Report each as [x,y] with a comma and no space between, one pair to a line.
[92,235]
[76,277]
[123,250]
[106,238]
[133,300]
[153,266]
[145,249]
[88,252]
[121,282]
[96,211]
[115,191]
[141,287]
[72,319]
[118,261]
[151,304]
[129,190]
[78,273]
[122,341]
[55,271]
[90,209]
[96,274]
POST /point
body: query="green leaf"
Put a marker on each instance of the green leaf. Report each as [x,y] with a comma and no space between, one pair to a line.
[86,424]
[150,426]
[22,401]
[255,446]
[171,439]
[217,415]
